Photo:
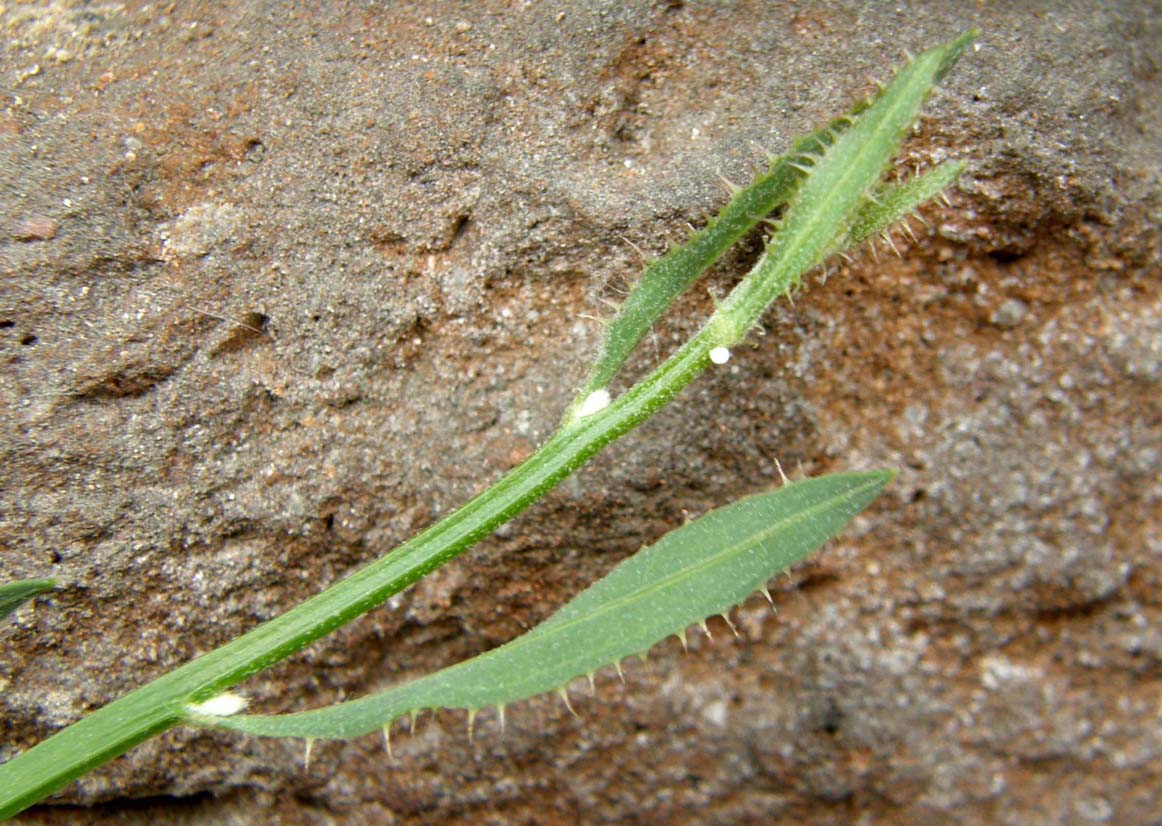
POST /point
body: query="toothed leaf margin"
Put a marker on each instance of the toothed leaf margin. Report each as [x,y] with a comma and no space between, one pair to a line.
[702,569]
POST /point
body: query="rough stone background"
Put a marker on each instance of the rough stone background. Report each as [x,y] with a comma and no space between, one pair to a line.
[281,285]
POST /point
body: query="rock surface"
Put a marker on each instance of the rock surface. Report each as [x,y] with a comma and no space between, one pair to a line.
[280,286]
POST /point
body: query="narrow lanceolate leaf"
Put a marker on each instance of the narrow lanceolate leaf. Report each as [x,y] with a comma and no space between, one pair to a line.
[891,203]
[15,594]
[699,570]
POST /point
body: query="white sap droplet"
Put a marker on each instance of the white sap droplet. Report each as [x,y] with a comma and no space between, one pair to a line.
[223,705]
[596,401]
[720,355]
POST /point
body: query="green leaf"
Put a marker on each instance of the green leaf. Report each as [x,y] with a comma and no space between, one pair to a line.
[704,568]
[842,181]
[890,203]
[668,277]
[15,594]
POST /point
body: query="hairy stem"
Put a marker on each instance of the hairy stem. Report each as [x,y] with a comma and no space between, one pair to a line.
[141,714]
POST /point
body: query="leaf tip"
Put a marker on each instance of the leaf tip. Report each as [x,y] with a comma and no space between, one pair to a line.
[954,49]
[15,594]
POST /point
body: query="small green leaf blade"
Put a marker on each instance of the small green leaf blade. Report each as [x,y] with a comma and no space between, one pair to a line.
[893,202]
[704,568]
[15,594]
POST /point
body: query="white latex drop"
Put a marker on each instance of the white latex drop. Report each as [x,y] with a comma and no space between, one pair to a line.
[595,402]
[223,705]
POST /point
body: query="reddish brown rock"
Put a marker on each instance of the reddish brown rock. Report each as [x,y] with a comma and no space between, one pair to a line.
[35,228]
